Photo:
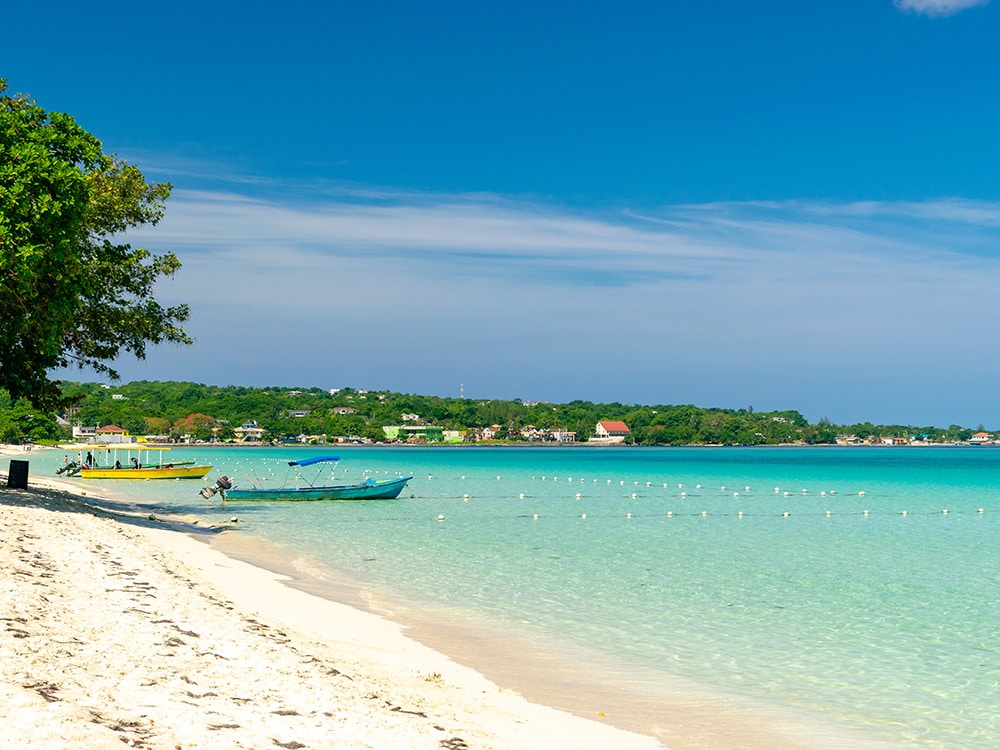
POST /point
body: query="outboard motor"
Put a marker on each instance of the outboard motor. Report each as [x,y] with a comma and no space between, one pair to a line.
[221,485]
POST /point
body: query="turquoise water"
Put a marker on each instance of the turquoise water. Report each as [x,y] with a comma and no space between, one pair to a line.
[823,596]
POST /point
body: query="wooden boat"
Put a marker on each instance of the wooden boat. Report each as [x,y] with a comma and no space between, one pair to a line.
[142,463]
[300,488]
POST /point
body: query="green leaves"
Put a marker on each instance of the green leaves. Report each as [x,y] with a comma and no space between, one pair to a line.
[69,294]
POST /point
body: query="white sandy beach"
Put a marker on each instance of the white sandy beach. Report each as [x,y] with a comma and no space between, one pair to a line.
[121,629]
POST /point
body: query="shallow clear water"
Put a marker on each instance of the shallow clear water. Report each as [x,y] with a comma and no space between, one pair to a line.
[878,620]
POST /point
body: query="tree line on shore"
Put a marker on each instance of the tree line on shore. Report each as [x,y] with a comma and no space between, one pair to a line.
[182,410]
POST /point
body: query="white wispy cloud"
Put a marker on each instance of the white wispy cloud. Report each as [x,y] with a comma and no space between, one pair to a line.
[935,8]
[518,294]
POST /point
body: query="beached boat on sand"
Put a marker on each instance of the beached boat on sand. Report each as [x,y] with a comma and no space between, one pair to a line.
[298,487]
[135,463]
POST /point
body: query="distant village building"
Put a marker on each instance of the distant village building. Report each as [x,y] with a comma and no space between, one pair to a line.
[410,417]
[414,433]
[981,438]
[112,434]
[611,431]
[84,434]
[248,432]
[344,410]
[886,440]
[849,440]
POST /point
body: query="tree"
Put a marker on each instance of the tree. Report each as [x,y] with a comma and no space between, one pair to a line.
[70,294]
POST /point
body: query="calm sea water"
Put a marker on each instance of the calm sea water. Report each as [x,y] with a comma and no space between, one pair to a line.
[843,591]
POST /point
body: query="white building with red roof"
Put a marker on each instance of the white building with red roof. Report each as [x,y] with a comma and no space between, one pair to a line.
[611,431]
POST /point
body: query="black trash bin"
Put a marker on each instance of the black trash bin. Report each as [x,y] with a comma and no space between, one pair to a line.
[17,475]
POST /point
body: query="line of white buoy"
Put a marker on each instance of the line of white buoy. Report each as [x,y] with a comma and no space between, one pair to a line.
[784,514]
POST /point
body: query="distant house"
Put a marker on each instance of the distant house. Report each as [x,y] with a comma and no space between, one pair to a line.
[849,440]
[112,434]
[410,417]
[83,433]
[414,433]
[886,440]
[344,410]
[611,431]
[299,413]
[981,438]
[248,432]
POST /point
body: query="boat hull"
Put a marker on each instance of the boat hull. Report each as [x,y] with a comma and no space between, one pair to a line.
[171,472]
[384,489]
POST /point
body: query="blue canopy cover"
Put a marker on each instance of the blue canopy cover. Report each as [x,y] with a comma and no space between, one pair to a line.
[314,460]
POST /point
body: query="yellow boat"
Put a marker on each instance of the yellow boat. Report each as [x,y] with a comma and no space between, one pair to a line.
[153,472]
[143,463]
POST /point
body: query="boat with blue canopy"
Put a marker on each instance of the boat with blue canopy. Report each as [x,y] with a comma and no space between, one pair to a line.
[298,486]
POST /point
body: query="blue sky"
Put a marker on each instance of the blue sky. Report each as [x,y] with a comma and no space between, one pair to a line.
[786,205]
